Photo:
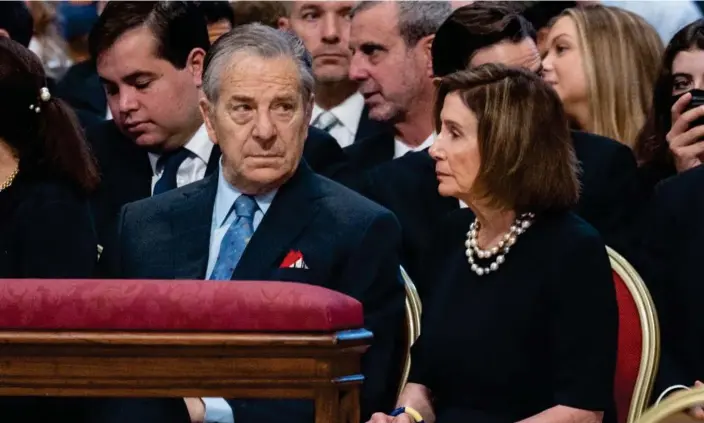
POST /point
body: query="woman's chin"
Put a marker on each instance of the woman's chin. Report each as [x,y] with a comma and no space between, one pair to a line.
[446,191]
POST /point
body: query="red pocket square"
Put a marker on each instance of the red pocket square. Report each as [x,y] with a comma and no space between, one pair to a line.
[294,259]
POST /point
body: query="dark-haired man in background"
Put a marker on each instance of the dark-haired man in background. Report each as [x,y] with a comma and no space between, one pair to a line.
[151,69]
[16,22]
[218,16]
[482,33]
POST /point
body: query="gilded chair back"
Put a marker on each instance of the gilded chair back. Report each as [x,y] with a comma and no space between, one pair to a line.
[413,313]
[674,407]
[638,341]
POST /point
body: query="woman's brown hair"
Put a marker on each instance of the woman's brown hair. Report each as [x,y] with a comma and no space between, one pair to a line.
[527,158]
[50,141]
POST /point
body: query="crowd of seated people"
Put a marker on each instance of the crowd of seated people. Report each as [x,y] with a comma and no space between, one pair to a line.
[492,149]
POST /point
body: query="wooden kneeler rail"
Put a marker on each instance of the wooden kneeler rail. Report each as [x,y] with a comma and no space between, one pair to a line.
[321,367]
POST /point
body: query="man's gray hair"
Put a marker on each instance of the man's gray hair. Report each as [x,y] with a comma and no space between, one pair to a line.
[261,41]
[416,19]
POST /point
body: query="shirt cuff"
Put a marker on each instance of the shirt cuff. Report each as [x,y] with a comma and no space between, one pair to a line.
[217,410]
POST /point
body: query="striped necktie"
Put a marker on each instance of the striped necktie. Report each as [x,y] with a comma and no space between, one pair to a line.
[326,121]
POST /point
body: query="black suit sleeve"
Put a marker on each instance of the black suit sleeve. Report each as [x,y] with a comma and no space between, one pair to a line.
[372,276]
[615,216]
[658,252]
[110,265]
[583,326]
[58,240]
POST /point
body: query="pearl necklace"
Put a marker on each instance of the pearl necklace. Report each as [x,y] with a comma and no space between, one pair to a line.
[519,226]
[5,185]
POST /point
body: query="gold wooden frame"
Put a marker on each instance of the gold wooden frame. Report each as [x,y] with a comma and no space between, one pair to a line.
[650,330]
[674,404]
[414,310]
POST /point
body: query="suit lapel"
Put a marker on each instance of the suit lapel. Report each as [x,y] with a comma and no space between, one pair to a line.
[133,179]
[213,161]
[368,128]
[191,217]
[290,213]
[382,150]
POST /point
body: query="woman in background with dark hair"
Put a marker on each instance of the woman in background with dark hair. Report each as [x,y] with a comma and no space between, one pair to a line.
[46,173]
[668,143]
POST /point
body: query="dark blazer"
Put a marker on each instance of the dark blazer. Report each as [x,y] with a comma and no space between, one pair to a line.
[46,230]
[407,186]
[81,88]
[371,151]
[127,173]
[348,242]
[368,128]
[670,262]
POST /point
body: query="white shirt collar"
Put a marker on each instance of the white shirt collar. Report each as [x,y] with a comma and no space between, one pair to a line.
[349,112]
[199,144]
[400,148]
[226,196]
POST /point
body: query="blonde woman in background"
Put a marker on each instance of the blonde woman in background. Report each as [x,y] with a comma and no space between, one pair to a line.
[47,42]
[603,62]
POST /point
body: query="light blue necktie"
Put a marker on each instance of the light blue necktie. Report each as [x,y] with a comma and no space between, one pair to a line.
[235,239]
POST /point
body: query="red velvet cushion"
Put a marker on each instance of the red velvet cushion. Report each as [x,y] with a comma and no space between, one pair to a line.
[175,306]
[630,349]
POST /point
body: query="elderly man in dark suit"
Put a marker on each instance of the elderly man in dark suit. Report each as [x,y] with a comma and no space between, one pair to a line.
[265,215]
[152,73]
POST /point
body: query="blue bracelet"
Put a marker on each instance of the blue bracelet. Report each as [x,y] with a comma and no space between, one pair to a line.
[411,412]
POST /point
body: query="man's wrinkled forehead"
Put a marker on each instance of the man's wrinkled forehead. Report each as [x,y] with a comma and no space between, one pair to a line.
[255,76]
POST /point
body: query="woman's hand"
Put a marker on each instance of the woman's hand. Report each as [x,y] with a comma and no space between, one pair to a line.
[684,141]
[385,418]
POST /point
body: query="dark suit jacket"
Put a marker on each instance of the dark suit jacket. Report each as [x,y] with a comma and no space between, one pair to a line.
[670,262]
[348,242]
[127,174]
[609,200]
[369,128]
[371,151]
[46,230]
[81,88]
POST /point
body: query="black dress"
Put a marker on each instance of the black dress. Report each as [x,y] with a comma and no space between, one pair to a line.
[539,332]
[46,230]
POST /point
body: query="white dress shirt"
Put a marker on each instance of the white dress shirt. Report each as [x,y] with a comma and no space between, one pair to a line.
[401,148]
[217,410]
[348,114]
[193,168]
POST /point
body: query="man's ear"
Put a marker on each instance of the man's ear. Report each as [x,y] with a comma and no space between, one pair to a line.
[425,45]
[194,63]
[207,111]
[284,23]
[309,104]
[4,33]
